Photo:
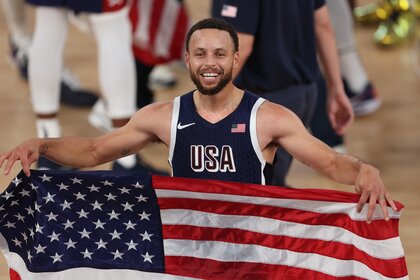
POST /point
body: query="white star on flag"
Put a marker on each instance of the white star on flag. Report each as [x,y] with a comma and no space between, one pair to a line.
[147,257]
[17,181]
[56,258]
[45,178]
[144,216]
[76,181]
[49,198]
[146,236]
[132,245]
[117,254]
[70,244]
[101,244]
[87,254]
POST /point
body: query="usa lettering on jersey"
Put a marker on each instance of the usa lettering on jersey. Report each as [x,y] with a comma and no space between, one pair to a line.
[212,159]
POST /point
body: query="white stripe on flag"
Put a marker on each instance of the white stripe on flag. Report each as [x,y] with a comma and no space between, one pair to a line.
[229,252]
[382,249]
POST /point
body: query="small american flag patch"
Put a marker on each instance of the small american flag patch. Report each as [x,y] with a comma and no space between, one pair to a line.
[238,128]
[229,11]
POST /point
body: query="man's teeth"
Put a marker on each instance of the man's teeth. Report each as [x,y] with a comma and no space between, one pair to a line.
[210,75]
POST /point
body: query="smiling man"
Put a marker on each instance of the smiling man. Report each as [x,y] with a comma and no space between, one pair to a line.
[216,132]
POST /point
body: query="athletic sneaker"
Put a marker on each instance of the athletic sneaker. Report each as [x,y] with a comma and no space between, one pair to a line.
[71,92]
[98,117]
[364,103]
[140,167]
[19,59]
[162,77]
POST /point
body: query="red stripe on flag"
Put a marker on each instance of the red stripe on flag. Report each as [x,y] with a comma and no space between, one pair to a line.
[187,266]
[14,275]
[331,249]
[253,190]
[378,230]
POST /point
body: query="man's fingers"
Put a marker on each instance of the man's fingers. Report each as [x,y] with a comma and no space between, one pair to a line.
[31,160]
[3,157]
[382,203]
[371,208]
[390,201]
[384,200]
[12,159]
[26,164]
[363,198]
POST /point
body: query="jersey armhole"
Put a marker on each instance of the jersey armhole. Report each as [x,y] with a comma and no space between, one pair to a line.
[254,136]
[174,121]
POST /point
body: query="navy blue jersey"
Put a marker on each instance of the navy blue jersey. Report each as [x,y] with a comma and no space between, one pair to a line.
[227,150]
[89,6]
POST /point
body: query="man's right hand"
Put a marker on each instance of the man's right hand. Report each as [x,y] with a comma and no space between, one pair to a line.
[27,153]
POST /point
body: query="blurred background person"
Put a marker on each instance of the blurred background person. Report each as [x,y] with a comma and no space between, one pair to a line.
[361,91]
[279,41]
[20,35]
[111,28]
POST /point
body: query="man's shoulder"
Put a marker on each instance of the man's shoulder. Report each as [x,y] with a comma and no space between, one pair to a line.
[271,110]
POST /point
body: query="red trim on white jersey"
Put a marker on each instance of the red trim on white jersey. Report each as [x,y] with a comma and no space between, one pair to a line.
[159,30]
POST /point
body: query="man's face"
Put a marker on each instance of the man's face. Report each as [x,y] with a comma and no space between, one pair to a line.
[210,59]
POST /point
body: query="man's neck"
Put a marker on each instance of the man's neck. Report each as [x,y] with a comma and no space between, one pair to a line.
[214,108]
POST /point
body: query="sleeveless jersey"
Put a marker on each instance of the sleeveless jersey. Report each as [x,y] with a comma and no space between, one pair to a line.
[227,150]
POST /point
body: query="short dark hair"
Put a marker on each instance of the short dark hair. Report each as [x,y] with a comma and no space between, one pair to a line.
[213,23]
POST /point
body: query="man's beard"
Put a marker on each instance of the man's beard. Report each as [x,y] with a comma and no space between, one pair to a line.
[213,90]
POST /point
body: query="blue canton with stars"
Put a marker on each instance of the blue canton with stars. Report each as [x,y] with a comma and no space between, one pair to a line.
[98,219]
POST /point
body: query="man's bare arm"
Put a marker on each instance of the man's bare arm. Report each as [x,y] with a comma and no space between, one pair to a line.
[144,127]
[279,125]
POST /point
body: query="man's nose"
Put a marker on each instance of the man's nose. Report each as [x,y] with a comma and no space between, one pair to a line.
[210,61]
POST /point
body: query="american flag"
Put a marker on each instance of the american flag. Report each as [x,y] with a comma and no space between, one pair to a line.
[107,225]
[229,11]
[238,128]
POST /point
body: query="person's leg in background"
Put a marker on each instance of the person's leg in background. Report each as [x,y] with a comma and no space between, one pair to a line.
[116,69]
[20,35]
[15,12]
[45,66]
[356,82]
[358,87]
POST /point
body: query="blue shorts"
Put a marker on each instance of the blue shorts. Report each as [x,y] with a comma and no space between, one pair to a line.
[88,6]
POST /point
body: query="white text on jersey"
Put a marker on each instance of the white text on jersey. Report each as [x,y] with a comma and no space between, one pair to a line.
[209,158]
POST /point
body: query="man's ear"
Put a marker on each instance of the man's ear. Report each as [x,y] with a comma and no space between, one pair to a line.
[235,59]
[187,59]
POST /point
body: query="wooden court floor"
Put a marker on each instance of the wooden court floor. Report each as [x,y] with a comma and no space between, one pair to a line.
[389,139]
